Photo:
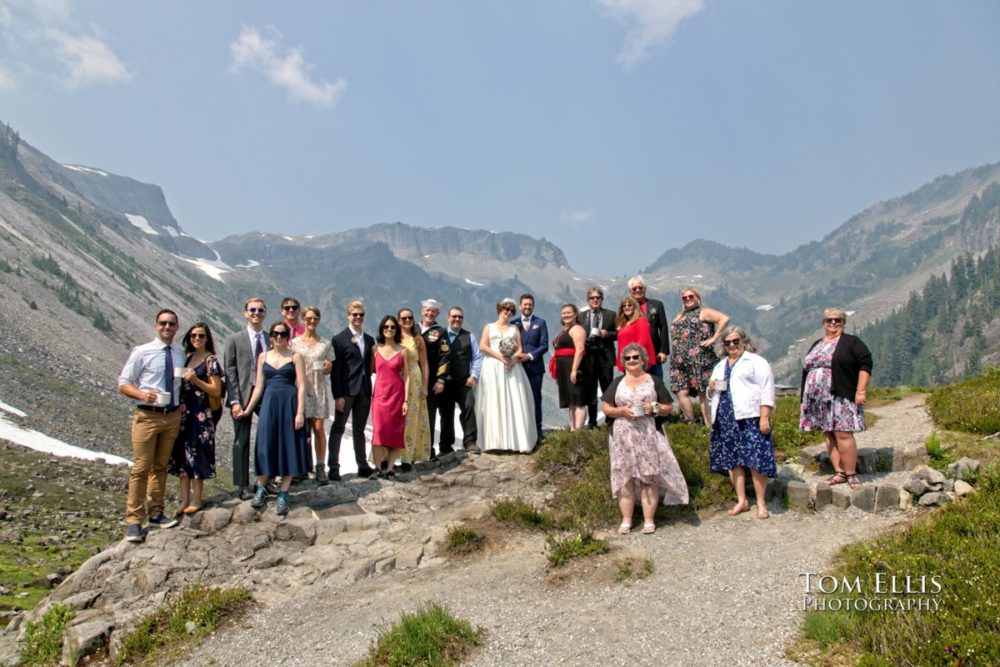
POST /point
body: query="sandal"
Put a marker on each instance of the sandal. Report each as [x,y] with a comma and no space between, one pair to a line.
[839,478]
[625,528]
[192,509]
[648,528]
[854,482]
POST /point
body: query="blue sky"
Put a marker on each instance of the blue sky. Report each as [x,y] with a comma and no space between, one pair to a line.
[615,128]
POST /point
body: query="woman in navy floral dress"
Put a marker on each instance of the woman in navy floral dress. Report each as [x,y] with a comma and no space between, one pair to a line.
[193,458]
[742,392]
[835,376]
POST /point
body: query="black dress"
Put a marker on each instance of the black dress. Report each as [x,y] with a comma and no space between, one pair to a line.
[582,393]
[194,450]
[281,449]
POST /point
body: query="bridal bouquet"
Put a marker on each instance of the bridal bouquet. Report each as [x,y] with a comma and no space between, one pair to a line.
[507,348]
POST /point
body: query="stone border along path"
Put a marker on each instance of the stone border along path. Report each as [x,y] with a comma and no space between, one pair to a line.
[725,590]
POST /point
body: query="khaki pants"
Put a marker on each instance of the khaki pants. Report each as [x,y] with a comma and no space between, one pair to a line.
[153,437]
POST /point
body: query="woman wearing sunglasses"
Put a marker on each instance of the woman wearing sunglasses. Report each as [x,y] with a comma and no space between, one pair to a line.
[633,327]
[835,376]
[193,457]
[642,462]
[281,438]
[389,397]
[742,391]
[417,432]
[693,334]
[317,359]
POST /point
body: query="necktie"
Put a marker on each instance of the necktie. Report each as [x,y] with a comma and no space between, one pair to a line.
[169,379]
[526,323]
[258,349]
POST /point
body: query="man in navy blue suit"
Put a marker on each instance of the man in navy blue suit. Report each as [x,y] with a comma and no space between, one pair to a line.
[534,345]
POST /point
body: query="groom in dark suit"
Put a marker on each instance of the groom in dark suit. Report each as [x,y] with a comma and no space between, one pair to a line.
[352,389]
[599,323]
[534,345]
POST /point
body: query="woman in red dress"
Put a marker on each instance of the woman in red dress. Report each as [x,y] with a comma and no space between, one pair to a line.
[633,327]
[389,398]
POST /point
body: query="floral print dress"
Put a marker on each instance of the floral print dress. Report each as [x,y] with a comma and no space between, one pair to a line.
[417,432]
[821,410]
[691,364]
[738,442]
[640,451]
[194,450]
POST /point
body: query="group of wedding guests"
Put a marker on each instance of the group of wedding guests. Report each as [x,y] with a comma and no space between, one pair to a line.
[293,380]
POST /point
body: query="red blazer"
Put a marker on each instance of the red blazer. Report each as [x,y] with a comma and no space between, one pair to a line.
[637,332]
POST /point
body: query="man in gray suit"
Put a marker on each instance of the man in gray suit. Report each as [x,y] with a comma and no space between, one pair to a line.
[242,350]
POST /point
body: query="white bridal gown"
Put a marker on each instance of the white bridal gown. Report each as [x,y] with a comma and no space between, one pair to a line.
[505,408]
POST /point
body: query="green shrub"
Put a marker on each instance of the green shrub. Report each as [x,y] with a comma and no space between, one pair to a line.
[463,540]
[43,640]
[829,627]
[960,546]
[972,405]
[430,637]
[522,514]
[563,549]
[166,629]
[788,439]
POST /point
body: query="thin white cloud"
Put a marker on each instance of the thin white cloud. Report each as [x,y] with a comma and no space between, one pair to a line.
[6,80]
[575,217]
[285,68]
[90,60]
[649,22]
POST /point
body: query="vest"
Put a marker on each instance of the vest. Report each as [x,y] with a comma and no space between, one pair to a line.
[460,361]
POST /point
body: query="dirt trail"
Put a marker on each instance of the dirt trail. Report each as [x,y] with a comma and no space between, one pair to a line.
[724,591]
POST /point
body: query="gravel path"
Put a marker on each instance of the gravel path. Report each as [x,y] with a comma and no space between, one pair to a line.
[724,591]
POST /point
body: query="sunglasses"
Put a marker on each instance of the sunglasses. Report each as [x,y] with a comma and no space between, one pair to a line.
[254,311]
[389,327]
[406,318]
[197,336]
[290,307]
[279,334]
[166,323]
[631,357]
[833,320]
[688,297]
[310,319]
[732,343]
[358,315]
[638,288]
[595,298]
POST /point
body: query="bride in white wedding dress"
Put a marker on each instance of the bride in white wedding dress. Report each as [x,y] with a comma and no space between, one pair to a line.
[505,408]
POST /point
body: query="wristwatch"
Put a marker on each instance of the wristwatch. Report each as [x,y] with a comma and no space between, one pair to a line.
[656,409]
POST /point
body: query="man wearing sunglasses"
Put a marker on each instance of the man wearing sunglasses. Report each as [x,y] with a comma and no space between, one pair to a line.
[351,380]
[657,318]
[465,361]
[150,377]
[242,351]
[599,322]
[290,309]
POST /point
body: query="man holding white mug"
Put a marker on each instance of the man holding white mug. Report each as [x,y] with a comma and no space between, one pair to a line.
[151,377]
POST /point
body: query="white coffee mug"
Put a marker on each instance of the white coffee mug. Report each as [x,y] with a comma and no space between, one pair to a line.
[594,331]
[162,399]
[638,410]
[721,385]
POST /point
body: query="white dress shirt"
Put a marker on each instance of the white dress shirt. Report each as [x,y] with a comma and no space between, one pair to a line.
[146,367]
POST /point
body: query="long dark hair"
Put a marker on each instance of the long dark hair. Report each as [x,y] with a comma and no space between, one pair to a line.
[398,337]
[413,322]
[209,341]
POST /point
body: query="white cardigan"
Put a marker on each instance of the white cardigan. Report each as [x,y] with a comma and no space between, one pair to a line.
[751,383]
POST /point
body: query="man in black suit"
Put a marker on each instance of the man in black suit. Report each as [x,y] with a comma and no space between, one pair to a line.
[436,344]
[465,361]
[599,322]
[352,389]
[657,317]
[534,345]
[240,364]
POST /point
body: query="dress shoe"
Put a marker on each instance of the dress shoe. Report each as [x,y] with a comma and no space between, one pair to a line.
[405,467]
[366,472]
[245,493]
[334,476]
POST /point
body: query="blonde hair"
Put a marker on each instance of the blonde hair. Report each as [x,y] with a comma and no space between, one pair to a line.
[311,309]
[835,312]
[357,303]
[741,332]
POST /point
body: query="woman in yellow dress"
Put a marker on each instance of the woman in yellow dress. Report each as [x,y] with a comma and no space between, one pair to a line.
[417,434]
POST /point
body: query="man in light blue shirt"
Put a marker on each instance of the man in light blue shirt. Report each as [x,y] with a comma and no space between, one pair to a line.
[151,377]
[464,366]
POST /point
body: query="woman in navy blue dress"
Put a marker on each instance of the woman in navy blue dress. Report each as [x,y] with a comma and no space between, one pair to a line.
[281,436]
[742,391]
